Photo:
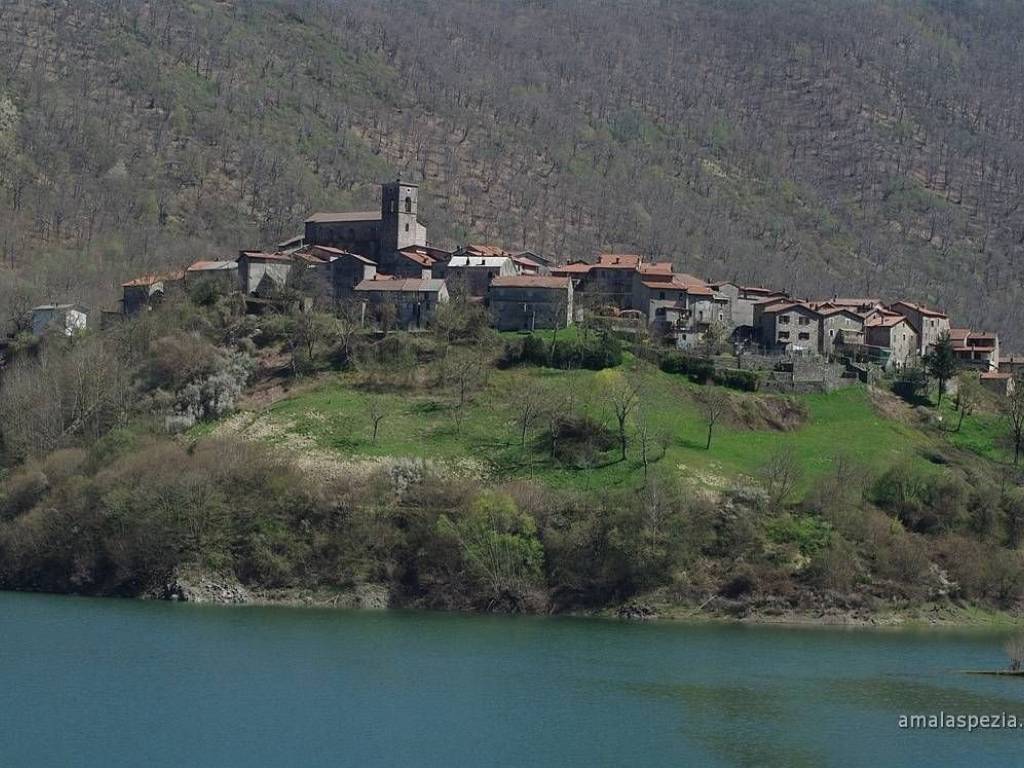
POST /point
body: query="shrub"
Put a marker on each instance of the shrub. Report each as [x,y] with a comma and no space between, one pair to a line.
[699,369]
[810,534]
[499,548]
[748,381]
[834,567]
[577,440]
[603,351]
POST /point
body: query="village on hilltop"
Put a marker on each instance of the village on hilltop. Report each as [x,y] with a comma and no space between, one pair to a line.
[381,262]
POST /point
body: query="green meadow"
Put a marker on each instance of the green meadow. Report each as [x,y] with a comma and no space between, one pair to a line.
[424,422]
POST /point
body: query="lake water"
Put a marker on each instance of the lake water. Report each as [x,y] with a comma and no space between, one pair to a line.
[122,683]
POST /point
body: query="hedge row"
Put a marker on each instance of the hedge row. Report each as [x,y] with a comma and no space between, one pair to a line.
[701,370]
[595,354]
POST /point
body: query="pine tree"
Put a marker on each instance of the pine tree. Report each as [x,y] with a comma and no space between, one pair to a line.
[941,363]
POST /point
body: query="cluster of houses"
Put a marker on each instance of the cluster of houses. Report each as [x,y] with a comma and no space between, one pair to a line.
[380,263]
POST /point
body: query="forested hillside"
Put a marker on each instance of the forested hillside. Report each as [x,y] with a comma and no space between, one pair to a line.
[820,145]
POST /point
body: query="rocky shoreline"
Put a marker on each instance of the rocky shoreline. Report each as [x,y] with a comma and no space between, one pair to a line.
[202,587]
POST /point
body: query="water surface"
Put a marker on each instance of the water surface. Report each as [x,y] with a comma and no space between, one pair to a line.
[108,682]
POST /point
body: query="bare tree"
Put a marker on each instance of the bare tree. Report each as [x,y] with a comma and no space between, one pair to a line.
[713,404]
[780,475]
[1013,407]
[1014,648]
[527,403]
[377,411]
[967,395]
[624,397]
[464,371]
[649,437]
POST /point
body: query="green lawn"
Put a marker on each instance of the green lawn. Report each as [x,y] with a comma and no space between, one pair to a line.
[418,424]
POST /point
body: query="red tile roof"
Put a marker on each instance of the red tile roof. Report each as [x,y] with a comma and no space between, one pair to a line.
[486,250]
[788,305]
[920,308]
[261,256]
[879,320]
[530,281]
[152,279]
[212,266]
[656,268]
[618,261]
[572,268]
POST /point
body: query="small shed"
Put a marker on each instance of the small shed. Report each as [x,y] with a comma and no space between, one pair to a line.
[67,319]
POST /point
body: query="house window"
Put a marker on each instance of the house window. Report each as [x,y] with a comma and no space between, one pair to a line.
[803,320]
[661,294]
[805,336]
[831,333]
[408,205]
[784,319]
[406,227]
[784,335]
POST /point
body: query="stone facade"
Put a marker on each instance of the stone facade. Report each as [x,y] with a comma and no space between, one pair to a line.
[410,304]
[377,235]
[789,327]
[347,271]
[840,327]
[929,324]
[530,302]
[66,319]
[474,273]
[891,341]
[263,274]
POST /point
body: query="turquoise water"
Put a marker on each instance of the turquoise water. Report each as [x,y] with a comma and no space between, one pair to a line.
[122,683]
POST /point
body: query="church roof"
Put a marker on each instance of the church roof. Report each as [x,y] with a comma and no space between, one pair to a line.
[325,217]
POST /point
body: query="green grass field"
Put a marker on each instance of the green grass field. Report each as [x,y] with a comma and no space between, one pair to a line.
[420,423]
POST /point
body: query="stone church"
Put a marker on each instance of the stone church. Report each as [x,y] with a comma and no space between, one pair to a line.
[377,235]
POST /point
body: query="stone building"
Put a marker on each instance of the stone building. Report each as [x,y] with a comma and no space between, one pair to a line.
[377,235]
[347,271]
[1012,364]
[840,327]
[742,299]
[142,292]
[999,382]
[222,275]
[66,319]
[530,302]
[929,324]
[975,349]
[890,340]
[610,282]
[263,274]
[788,326]
[474,273]
[409,303]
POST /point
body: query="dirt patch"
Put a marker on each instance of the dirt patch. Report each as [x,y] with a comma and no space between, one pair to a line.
[891,406]
[779,414]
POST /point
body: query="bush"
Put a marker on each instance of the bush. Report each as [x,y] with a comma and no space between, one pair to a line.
[577,440]
[604,351]
[499,549]
[699,369]
[748,381]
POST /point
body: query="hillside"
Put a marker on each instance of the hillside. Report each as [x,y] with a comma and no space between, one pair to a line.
[820,146]
[197,451]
